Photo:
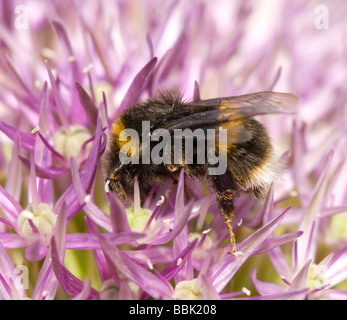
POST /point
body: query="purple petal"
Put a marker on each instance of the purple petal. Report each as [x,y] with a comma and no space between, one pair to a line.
[209,291]
[181,218]
[206,203]
[299,282]
[224,270]
[32,183]
[45,173]
[333,294]
[11,208]
[34,229]
[46,282]
[87,241]
[172,270]
[104,264]
[60,232]
[45,186]
[59,157]
[7,223]
[329,212]
[61,110]
[44,124]
[119,220]
[268,205]
[92,211]
[167,237]
[15,175]
[87,175]
[85,293]
[71,285]
[266,288]
[307,244]
[280,296]
[175,266]
[27,141]
[5,289]
[150,45]
[137,86]
[337,271]
[156,255]
[59,28]
[35,251]
[146,280]
[19,80]
[275,242]
[173,57]
[181,240]
[277,76]
[196,94]
[99,51]
[89,106]
[151,218]
[299,149]
[280,263]
[8,277]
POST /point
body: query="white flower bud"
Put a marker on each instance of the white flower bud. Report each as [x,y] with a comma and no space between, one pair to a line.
[70,143]
[138,219]
[43,218]
[188,290]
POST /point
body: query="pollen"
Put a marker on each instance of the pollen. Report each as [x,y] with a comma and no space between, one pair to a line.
[88,68]
[246,291]
[36,129]
[149,264]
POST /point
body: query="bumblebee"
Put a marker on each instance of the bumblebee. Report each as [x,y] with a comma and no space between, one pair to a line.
[251,161]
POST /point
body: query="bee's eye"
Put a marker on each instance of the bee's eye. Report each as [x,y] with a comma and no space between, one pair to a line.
[108,187]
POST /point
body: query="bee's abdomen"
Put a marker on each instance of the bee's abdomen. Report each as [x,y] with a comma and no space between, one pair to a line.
[254,164]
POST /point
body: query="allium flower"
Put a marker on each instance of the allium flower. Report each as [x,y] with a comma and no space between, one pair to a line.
[69,68]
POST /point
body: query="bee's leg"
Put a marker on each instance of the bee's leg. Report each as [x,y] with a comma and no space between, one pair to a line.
[226,194]
[227,209]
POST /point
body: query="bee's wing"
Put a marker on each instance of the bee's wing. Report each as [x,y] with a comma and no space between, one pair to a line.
[235,130]
[215,117]
[220,119]
[284,101]
[225,113]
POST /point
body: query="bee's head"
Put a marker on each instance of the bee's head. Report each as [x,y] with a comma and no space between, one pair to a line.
[114,184]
